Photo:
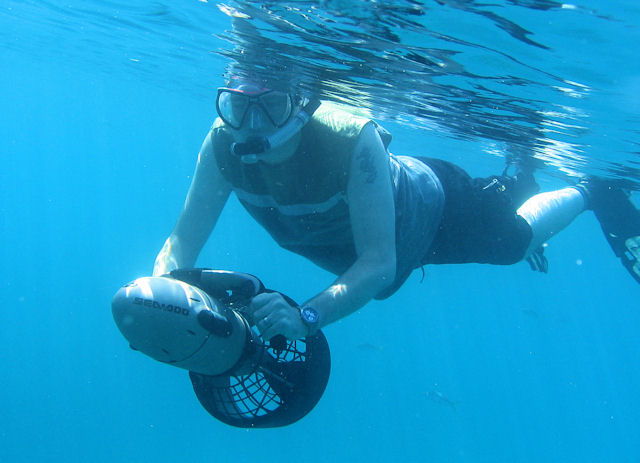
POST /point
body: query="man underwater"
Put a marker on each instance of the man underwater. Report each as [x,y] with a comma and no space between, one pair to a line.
[321,181]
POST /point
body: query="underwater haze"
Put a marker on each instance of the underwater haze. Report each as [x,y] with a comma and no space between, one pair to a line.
[105,107]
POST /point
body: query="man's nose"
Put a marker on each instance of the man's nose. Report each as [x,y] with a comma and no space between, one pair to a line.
[256,117]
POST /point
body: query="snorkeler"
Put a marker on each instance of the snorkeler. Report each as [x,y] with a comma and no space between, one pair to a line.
[321,181]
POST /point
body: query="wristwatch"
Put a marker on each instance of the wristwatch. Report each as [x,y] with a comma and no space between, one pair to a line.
[310,318]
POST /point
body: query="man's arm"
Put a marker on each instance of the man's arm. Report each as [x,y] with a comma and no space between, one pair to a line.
[207,196]
[372,212]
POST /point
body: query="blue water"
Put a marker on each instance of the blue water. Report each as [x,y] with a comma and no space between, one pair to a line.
[105,105]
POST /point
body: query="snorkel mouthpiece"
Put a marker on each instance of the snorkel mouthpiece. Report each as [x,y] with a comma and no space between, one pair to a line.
[250,150]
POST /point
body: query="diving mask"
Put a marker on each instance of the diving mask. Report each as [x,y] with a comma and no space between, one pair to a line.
[234,105]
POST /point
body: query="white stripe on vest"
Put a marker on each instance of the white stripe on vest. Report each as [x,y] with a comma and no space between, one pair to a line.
[290,209]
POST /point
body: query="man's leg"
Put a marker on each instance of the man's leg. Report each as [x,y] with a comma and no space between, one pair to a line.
[548,213]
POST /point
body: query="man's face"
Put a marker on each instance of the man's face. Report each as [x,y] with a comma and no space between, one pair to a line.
[252,111]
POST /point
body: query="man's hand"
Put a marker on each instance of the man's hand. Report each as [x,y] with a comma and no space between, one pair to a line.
[273,315]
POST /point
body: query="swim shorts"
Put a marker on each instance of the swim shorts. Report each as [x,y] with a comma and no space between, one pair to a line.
[479,222]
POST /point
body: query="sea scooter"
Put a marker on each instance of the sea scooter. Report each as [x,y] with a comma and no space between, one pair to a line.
[194,319]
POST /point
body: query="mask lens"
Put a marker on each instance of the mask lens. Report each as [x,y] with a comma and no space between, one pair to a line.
[278,107]
[232,107]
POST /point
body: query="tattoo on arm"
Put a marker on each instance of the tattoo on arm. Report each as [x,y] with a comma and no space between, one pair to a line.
[366,165]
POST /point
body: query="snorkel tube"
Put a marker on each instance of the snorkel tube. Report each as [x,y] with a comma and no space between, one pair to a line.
[195,319]
[249,152]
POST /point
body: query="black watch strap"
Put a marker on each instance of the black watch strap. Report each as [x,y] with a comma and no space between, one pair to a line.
[310,318]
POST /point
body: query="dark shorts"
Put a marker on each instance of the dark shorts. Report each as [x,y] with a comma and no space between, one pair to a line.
[479,223]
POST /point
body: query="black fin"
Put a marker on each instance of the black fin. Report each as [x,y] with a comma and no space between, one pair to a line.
[620,222]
